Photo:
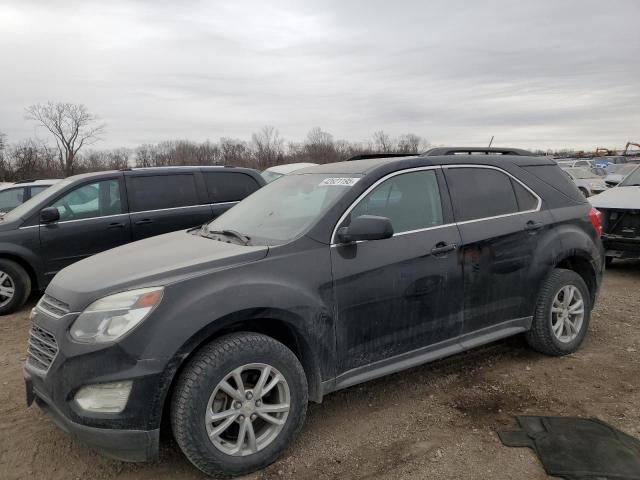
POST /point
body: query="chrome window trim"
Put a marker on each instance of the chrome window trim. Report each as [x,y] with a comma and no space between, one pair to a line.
[409,170]
[131,213]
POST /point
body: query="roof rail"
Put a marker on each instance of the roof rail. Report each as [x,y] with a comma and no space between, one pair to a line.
[477,150]
[365,156]
[28,180]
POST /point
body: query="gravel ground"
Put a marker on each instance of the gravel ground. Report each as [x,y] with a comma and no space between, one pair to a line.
[438,421]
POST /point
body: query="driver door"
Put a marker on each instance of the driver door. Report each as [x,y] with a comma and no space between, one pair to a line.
[93,218]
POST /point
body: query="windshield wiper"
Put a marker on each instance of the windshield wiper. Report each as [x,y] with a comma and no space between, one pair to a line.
[230,233]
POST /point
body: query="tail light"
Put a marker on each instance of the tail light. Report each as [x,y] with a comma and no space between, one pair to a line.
[595,216]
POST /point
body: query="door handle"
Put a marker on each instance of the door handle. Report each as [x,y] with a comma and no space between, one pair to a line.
[442,247]
[144,221]
[533,226]
[115,225]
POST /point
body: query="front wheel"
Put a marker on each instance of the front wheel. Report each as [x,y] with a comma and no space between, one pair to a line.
[561,318]
[238,404]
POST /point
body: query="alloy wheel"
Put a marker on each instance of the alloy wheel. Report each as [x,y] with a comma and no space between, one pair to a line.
[248,409]
[7,288]
[567,313]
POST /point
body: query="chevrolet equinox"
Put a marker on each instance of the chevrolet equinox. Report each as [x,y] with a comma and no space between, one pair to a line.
[328,277]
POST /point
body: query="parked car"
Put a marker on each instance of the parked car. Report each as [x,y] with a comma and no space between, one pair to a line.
[324,279]
[618,172]
[272,173]
[14,194]
[609,161]
[572,162]
[620,208]
[86,214]
[599,171]
[587,182]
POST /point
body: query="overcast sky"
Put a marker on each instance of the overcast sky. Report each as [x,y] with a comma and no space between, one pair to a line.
[544,73]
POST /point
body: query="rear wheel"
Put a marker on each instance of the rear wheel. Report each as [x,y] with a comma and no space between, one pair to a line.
[238,404]
[15,286]
[561,318]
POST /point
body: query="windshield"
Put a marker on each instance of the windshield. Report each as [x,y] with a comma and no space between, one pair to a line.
[622,169]
[26,207]
[284,210]
[270,176]
[632,179]
[581,173]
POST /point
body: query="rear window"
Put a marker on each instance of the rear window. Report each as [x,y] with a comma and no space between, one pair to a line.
[229,186]
[553,176]
[480,193]
[161,191]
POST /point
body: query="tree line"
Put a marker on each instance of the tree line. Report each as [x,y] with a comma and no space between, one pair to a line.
[74,130]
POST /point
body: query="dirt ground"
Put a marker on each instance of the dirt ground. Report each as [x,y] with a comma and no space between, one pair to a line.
[438,421]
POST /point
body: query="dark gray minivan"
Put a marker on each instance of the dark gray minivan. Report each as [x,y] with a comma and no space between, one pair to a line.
[86,214]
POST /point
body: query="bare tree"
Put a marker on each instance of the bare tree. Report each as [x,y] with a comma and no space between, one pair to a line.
[383,142]
[409,143]
[319,146]
[268,146]
[71,125]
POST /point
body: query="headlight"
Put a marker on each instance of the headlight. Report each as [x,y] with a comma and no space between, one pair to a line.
[109,318]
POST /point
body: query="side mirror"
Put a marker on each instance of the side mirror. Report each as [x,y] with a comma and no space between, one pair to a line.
[366,227]
[49,215]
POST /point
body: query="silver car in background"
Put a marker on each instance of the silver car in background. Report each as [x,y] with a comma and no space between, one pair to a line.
[588,182]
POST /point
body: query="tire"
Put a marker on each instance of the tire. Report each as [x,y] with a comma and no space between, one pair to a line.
[584,191]
[201,379]
[541,336]
[608,261]
[13,276]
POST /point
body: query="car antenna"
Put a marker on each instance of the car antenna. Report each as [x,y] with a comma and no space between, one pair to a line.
[490,142]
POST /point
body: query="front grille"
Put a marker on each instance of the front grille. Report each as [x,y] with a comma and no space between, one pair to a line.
[53,306]
[42,348]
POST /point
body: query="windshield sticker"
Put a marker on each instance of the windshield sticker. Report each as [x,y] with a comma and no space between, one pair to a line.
[339,181]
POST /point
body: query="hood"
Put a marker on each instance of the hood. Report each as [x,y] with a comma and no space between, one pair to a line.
[625,198]
[155,261]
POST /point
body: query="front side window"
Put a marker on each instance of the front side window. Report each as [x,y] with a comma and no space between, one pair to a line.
[480,193]
[157,192]
[410,200]
[91,200]
[10,199]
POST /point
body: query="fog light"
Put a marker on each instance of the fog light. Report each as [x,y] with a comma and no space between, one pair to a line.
[104,397]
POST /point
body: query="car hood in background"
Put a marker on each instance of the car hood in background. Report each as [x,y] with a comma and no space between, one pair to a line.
[151,262]
[619,198]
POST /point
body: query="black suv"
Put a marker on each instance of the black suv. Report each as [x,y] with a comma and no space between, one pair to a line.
[86,214]
[328,277]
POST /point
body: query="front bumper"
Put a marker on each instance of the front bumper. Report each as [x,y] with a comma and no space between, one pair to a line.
[120,444]
[130,435]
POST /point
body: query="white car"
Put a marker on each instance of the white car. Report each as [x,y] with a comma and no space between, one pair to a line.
[572,162]
[272,173]
[14,194]
[620,208]
[587,182]
[616,173]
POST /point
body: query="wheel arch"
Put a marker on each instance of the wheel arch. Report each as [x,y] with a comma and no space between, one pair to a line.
[24,263]
[583,266]
[275,323]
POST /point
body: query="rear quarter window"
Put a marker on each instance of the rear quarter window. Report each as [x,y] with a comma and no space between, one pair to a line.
[553,176]
[229,186]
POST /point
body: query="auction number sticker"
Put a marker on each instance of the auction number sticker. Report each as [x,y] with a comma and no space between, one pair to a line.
[339,181]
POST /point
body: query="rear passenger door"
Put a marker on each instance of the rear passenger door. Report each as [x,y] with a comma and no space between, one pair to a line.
[164,202]
[499,220]
[225,189]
